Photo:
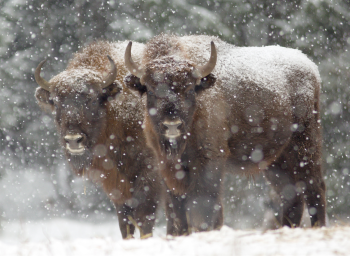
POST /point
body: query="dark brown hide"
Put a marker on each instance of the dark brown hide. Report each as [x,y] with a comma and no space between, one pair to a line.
[261,113]
[101,133]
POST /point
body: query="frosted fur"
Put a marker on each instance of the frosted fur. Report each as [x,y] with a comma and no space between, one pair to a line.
[74,79]
[118,50]
[269,68]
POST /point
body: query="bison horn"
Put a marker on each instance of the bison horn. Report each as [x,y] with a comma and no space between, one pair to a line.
[206,69]
[110,78]
[130,64]
[41,81]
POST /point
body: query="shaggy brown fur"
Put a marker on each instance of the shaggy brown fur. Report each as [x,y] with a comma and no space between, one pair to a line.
[233,122]
[109,121]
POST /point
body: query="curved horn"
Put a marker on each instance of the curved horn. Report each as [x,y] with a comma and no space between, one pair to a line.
[130,64]
[206,69]
[41,81]
[111,76]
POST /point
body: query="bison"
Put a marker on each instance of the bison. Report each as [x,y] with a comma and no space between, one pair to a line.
[240,109]
[99,122]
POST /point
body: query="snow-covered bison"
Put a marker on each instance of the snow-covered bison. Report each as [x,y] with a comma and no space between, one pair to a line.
[243,110]
[99,124]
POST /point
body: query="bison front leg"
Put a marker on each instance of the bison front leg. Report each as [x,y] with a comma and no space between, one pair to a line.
[205,212]
[146,199]
[194,212]
[177,221]
[125,225]
[193,200]
[204,200]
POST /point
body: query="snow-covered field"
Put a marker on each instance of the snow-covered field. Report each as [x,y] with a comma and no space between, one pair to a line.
[68,237]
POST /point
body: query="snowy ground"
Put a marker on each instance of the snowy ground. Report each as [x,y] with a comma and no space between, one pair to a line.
[72,238]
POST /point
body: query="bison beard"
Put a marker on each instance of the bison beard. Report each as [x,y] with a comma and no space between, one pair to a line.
[80,163]
[260,114]
[173,147]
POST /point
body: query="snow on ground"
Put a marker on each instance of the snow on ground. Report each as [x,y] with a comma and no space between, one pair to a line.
[63,237]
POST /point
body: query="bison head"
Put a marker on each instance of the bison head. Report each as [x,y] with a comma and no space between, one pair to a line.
[171,85]
[77,99]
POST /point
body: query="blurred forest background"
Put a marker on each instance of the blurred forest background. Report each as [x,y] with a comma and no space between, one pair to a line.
[34,180]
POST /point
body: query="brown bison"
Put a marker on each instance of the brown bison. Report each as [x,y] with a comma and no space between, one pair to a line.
[99,123]
[244,110]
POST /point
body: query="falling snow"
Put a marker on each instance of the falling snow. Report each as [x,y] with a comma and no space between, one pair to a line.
[39,196]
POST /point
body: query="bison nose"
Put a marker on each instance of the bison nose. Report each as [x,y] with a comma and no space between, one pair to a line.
[74,144]
[172,128]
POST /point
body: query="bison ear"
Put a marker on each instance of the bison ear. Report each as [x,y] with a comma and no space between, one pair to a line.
[44,99]
[133,82]
[205,83]
[110,91]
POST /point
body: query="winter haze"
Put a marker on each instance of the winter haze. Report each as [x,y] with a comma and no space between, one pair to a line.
[38,192]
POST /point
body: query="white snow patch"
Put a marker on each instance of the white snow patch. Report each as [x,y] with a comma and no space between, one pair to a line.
[66,237]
